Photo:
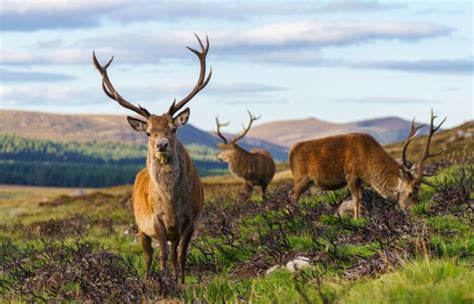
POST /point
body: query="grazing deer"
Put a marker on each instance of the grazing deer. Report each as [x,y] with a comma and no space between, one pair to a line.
[167,195]
[332,162]
[255,167]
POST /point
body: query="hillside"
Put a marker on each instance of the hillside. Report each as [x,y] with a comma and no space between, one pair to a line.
[26,161]
[105,128]
[453,141]
[286,133]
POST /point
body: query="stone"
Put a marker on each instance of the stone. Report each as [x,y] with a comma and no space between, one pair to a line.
[346,208]
[272,269]
[298,263]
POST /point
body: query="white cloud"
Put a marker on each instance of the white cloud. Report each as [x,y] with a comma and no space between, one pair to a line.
[454,66]
[283,41]
[17,95]
[388,100]
[54,6]
[21,15]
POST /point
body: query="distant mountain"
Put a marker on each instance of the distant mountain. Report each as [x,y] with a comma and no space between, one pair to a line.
[286,133]
[105,128]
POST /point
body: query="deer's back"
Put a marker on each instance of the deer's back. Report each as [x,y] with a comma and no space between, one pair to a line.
[329,159]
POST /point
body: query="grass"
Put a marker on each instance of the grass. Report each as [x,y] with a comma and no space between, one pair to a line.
[84,248]
[420,281]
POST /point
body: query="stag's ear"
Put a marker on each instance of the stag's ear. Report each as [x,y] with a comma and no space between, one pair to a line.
[137,124]
[182,118]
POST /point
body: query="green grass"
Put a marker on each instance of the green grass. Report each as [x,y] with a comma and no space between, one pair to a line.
[420,281]
[423,281]
[445,275]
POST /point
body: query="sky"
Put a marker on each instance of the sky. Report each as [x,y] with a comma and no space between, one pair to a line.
[338,61]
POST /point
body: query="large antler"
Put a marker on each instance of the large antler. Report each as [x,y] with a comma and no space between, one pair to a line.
[252,119]
[218,132]
[112,93]
[413,133]
[427,154]
[201,83]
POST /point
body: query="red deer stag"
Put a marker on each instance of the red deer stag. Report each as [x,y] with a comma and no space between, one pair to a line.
[167,195]
[255,167]
[331,163]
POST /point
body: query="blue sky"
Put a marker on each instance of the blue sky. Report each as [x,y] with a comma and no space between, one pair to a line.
[338,61]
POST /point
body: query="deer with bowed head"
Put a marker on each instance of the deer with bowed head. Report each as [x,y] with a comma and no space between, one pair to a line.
[354,159]
[167,195]
[256,167]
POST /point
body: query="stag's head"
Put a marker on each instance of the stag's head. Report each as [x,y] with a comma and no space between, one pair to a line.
[412,175]
[160,129]
[230,148]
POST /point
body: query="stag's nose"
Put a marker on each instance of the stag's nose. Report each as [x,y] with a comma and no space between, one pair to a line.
[162,145]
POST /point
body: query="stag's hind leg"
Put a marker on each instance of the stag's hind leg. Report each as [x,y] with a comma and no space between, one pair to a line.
[301,185]
[146,244]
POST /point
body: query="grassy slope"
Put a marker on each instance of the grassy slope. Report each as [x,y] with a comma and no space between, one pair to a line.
[222,269]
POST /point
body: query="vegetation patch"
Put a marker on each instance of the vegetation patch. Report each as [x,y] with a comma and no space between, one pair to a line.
[85,248]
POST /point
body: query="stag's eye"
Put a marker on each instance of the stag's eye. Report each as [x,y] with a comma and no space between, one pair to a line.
[147,134]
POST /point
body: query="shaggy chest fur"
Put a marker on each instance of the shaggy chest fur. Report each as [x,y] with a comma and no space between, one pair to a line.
[170,189]
[234,170]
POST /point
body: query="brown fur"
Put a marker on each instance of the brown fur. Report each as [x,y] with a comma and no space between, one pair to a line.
[331,163]
[167,195]
[256,167]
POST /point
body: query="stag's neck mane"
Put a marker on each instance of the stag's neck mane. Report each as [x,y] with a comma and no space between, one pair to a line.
[167,178]
[239,157]
[384,177]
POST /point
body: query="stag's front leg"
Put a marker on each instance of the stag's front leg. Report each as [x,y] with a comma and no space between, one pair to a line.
[247,191]
[183,248]
[354,186]
[264,191]
[174,258]
[161,234]
[146,244]
[248,188]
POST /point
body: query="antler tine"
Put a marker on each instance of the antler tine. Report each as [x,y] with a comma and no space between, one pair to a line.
[202,80]
[252,119]
[427,153]
[411,136]
[219,125]
[110,90]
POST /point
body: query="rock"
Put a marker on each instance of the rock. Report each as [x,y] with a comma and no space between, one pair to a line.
[298,263]
[346,208]
[272,269]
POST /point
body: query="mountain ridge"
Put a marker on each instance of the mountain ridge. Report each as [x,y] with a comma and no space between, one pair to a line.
[107,128]
[386,130]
